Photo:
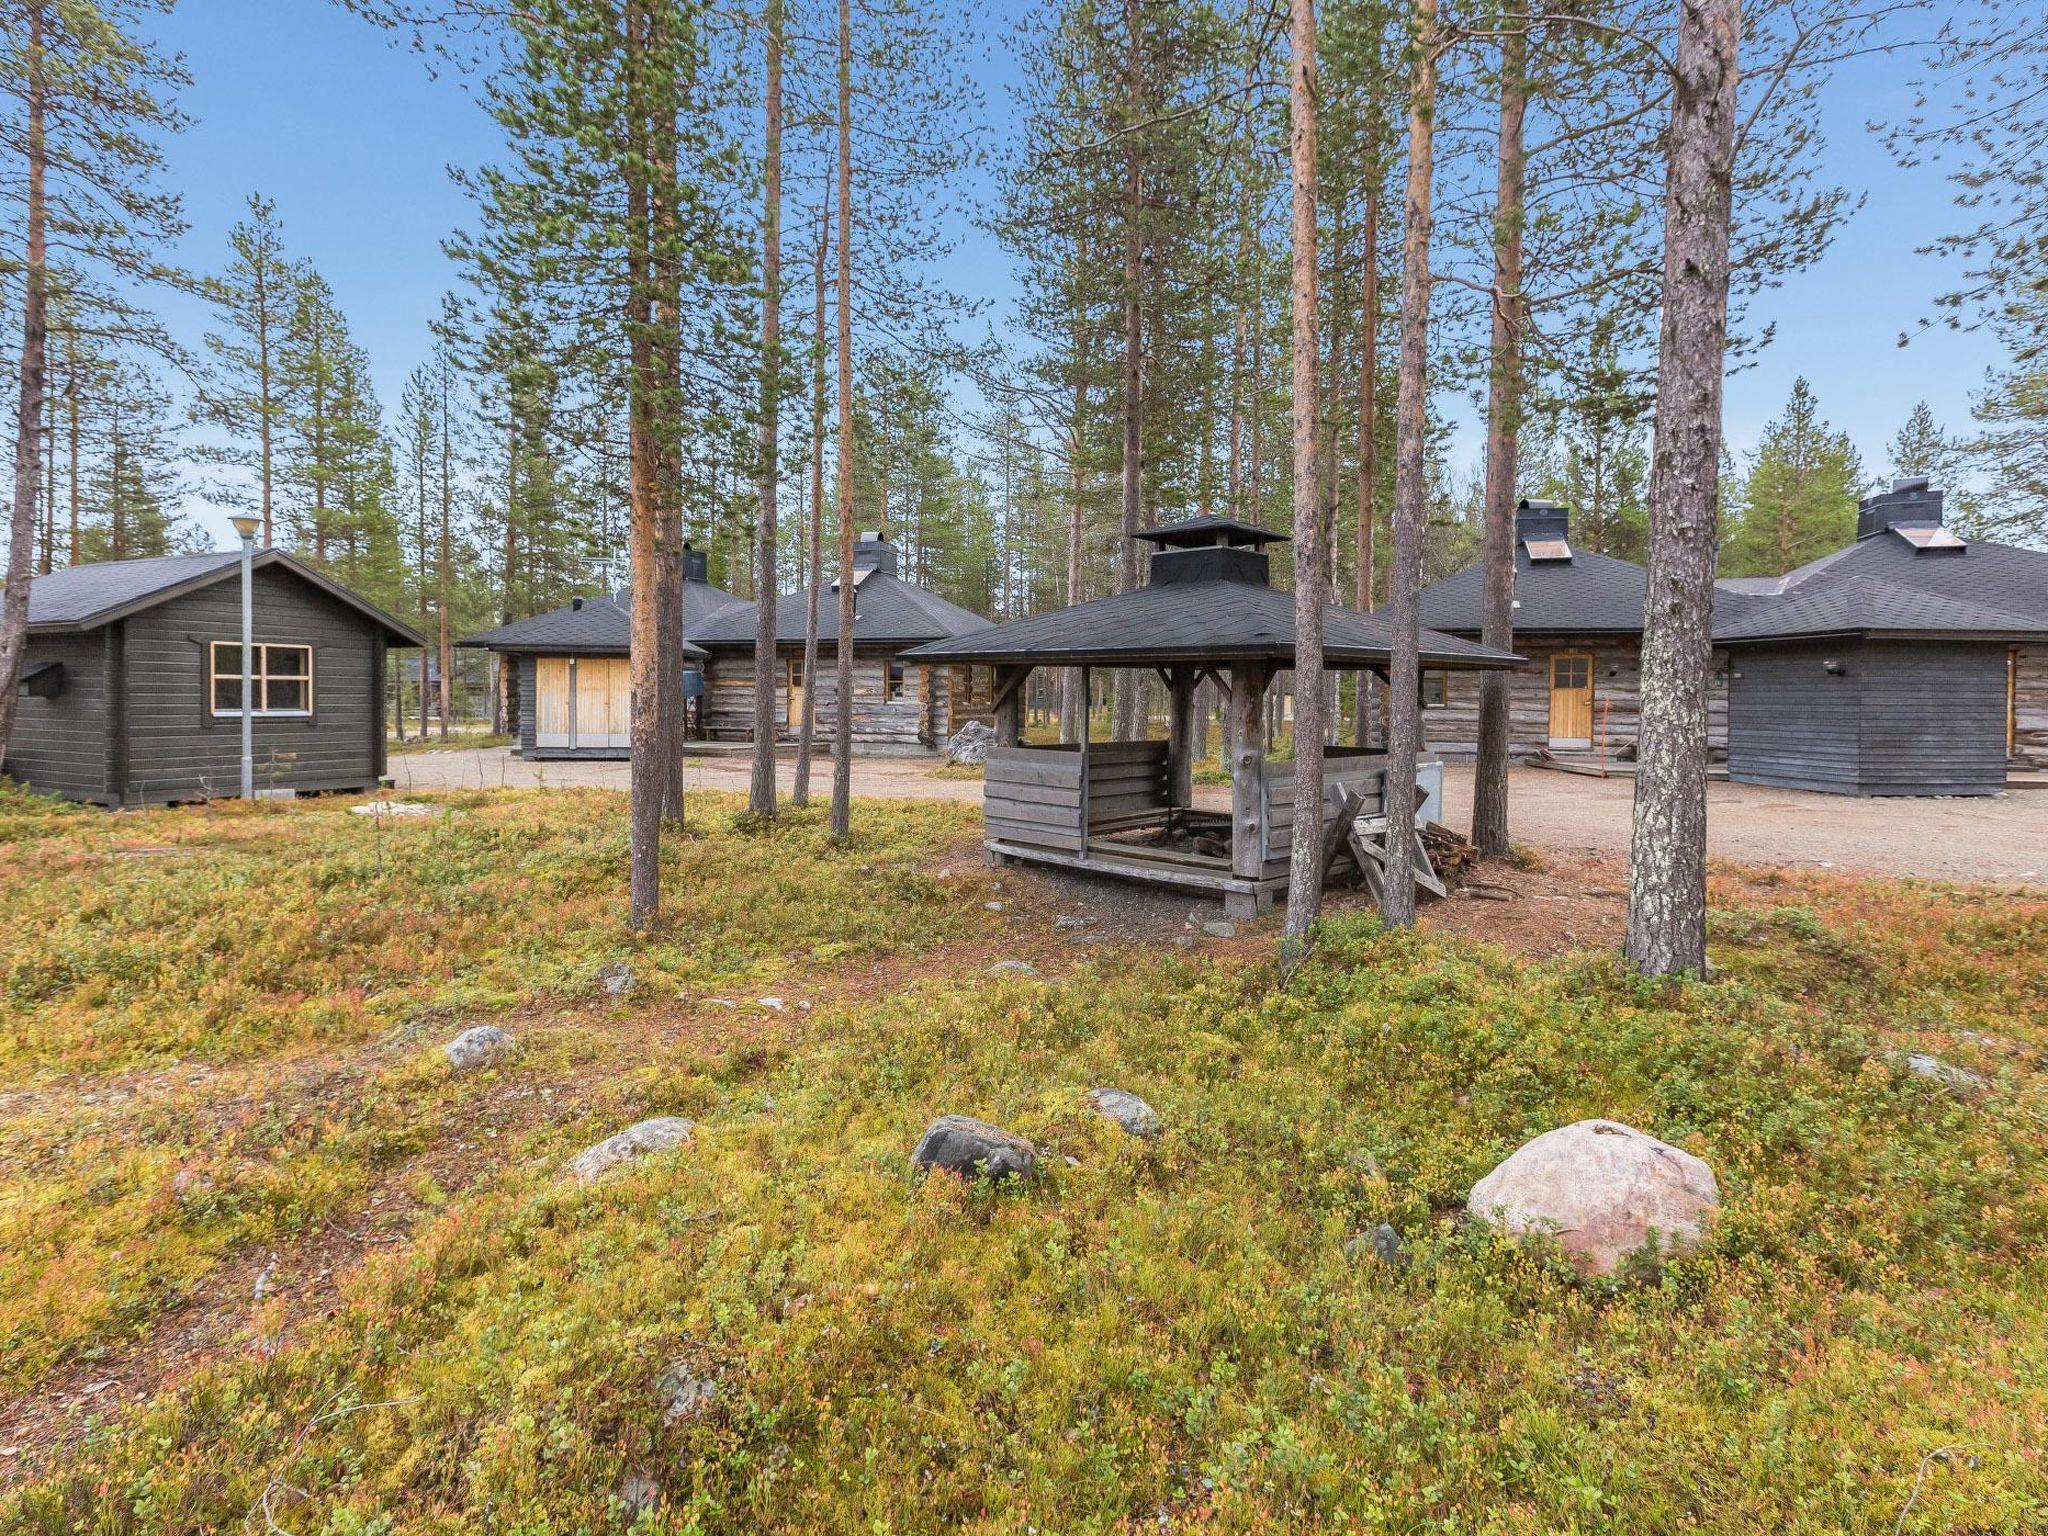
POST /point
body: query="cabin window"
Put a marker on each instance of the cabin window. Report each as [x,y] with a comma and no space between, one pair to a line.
[1436,689]
[281,680]
[893,687]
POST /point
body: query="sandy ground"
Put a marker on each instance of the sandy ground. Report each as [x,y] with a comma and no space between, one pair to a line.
[2004,838]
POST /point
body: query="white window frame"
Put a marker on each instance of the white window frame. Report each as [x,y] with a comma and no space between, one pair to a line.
[260,678]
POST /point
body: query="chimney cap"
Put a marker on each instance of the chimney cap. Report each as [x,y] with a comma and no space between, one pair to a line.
[1202,532]
[575,605]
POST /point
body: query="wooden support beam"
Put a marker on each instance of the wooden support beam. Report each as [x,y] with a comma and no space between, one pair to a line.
[1180,738]
[1008,706]
[1247,762]
[1086,677]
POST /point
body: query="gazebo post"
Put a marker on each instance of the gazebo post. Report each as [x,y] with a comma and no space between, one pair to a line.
[1009,705]
[1180,738]
[1248,681]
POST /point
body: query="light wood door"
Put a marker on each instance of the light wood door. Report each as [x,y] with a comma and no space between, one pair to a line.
[551,727]
[604,702]
[1571,699]
[795,694]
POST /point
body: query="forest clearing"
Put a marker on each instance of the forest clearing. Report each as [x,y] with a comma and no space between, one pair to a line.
[286,1257]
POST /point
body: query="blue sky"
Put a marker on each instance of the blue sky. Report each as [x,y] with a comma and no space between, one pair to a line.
[353,140]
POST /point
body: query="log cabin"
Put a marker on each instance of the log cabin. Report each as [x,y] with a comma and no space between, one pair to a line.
[131,685]
[899,707]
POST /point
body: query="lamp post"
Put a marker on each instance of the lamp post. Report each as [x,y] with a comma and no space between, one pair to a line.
[246,527]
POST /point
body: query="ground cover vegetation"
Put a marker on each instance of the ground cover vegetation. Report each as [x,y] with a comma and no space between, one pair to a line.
[1160,1334]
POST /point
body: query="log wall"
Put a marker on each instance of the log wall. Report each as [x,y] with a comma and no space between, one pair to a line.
[2030,704]
[1451,729]
[1036,795]
[918,719]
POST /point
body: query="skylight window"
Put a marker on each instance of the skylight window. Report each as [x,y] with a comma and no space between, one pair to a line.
[1547,549]
[1929,538]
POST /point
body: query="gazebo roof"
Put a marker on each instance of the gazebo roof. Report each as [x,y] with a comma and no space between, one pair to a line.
[1215,620]
[1200,532]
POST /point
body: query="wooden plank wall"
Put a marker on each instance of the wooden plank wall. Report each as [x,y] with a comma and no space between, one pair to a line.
[60,745]
[2030,705]
[179,750]
[1034,795]
[1452,729]
[1350,769]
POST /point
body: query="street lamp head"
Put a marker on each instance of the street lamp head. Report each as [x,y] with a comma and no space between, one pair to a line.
[246,526]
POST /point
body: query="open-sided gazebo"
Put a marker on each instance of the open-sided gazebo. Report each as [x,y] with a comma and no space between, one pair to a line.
[1208,611]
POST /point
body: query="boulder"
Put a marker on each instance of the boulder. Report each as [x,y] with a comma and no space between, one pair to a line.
[637,1493]
[1013,968]
[662,1134]
[684,1393]
[478,1047]
[969,1147]
[1220,928]
[970,743]
[1382,1244]
[1605,1191]
[1948,1074]
[617,979]
[1126,1109]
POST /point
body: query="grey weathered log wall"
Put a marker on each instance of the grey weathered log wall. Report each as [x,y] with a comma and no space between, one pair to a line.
[1452,728]
[1036,795]
[913,721]
[1343,769]
[2030,704]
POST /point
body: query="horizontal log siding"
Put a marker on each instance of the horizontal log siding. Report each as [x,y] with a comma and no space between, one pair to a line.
[903,724]
[1032,795]
[1900,718]
[1451,729]
[2030,705]
[60,745]
[178,750]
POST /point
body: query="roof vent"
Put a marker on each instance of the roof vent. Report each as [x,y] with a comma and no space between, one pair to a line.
[696,563]
[1543,528]
[872,551]
[575,605]
[1911,509]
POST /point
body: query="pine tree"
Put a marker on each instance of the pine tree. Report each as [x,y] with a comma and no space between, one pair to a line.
[1799,496]
[242,392]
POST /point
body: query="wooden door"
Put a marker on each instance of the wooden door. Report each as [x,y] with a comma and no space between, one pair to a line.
[551,724]
[795,715]
[1571,699]
[604,701]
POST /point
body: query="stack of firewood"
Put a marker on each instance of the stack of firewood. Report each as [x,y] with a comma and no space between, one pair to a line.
[1454,857]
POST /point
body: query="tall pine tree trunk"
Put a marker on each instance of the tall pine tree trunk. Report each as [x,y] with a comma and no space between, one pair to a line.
[664,272]
[650,771]
[1404,736]
[28,413]
[444,572]
[1366,702]
[806,734]
[1073,704]
[761,787]
[1667,876]
[1125,694]
[1503,432]
[1311,596]
[842,705]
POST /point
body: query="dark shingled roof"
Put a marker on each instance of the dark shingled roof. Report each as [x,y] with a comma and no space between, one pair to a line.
[1210,530]
[1180,621]
[83,597]
[602,626]
[1861,605]
[2002,577]
[1591,594]
[887,610]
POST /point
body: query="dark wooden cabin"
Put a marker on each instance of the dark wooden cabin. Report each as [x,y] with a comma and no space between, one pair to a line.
[1862,687]
[132,681]
[1126,808]
[898,706]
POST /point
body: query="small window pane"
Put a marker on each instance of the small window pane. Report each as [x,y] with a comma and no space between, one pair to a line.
[227,694]
[287,660]
[285,693]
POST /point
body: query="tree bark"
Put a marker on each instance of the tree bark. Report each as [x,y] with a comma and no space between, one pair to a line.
[1073,703]
[806,734]
[650,770]
[1503,433]
[1365,704]
[1311,597]
[444,574]
[21,527]
[1404,736]
[842,706]
[1667,910]
[1126,695]
[761,787]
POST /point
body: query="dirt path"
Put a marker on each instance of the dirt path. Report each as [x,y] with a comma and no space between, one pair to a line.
[2003,838]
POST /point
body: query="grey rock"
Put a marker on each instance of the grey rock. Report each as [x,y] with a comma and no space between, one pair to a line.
[661,1134]
[992,906]
[684,1393]
[1382,1243]
[1935,1070]
[1220,928]
[1126,1109]
[478,1047]
[970,744]
[1013,968]
[1608,1193]
[617,979]
[969,1147]
[1067,923]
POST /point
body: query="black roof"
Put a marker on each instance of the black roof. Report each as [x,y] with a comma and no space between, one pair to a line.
[85,597]
[887,610]
[600,625]
[1589,594]
[1863,605]
[2002,577]
[1196,531]
[1180,621]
